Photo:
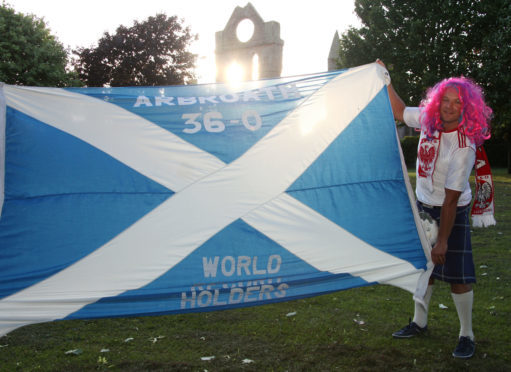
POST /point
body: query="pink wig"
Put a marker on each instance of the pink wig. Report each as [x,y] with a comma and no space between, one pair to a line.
[475,117]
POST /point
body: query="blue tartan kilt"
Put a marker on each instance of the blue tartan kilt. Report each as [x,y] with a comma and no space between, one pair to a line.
[459,263]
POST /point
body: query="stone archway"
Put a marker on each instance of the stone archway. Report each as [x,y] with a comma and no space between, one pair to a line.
[265,43]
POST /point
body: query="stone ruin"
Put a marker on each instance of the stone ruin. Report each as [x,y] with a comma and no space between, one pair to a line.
[264,46]
[261,51]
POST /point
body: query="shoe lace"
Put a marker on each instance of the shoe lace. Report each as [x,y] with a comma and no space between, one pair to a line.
[410,324]
[464,342]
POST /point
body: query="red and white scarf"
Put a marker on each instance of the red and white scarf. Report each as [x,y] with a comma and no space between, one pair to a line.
[427,155]
[483,207]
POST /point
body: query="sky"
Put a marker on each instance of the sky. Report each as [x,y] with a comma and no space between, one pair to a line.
[307,28]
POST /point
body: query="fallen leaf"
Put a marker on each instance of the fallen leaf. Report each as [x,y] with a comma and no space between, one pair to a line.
[154,339]
[74,352]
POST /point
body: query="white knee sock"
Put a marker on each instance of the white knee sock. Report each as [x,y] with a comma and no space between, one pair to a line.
[420,316]
[463,304]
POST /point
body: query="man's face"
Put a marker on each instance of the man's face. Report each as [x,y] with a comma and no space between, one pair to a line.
[450,107]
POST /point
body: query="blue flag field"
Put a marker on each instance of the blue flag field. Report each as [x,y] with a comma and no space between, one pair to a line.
[159,200]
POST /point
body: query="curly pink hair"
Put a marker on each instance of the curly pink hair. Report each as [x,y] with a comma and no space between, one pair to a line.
[476,115]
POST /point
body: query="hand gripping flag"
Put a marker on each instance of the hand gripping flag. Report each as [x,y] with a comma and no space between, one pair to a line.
[159,200]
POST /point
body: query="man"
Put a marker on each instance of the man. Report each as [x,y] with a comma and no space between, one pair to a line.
[454,122]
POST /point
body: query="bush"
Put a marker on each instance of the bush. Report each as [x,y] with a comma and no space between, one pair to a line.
[497,152]
[409,146]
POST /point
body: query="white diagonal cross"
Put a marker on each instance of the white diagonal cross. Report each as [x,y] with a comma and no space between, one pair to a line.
[209,196]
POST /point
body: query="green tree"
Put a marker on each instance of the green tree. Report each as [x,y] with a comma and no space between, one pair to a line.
[29,54]
[494,73]
[423,42]
[153,52]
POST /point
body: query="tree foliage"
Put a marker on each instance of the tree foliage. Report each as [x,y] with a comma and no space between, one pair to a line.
[29,54]
[153,52]
[423,42]
[494,72]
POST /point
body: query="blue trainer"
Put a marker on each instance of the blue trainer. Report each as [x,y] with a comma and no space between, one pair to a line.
[465,349]
[410,330]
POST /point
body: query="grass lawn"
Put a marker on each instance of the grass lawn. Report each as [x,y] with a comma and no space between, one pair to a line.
[346,331]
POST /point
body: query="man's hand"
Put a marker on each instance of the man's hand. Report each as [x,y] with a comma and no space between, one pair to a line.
[447,217]
[438,253]
[398,105]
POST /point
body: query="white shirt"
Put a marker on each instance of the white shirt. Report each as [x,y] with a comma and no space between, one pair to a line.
[454,163]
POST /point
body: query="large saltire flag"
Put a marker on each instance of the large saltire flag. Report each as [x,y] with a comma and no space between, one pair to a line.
[158,200]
